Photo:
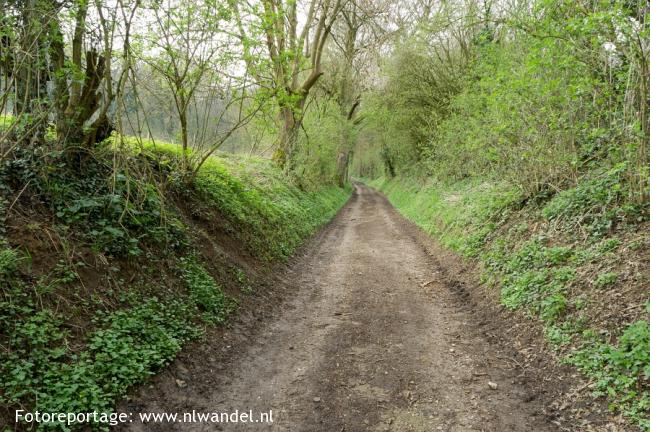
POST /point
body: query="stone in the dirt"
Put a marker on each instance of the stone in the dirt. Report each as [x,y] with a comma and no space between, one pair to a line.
[493,385]
[316,399]
[181,383]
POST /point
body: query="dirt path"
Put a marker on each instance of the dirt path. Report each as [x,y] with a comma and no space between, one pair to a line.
[370,341]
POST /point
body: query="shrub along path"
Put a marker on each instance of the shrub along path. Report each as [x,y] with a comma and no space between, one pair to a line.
[373,337]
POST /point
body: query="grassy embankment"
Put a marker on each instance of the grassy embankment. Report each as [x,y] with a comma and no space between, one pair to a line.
[107,271]
[576,261]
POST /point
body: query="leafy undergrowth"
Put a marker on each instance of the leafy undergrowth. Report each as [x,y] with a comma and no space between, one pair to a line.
[5,122]
[577,260]
[270,215]
[103,279]
[460,216]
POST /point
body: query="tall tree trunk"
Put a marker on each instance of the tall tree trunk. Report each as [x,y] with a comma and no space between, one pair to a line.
[184,136]
[644,121]
[77,101]
[31,68]
[342,163]
[290,118]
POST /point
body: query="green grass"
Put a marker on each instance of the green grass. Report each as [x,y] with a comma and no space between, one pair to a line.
[271,215]
[205,293]
[461,216]
[5,121]
[275,217]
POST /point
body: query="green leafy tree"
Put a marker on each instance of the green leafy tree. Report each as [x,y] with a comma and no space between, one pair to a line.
[288,63]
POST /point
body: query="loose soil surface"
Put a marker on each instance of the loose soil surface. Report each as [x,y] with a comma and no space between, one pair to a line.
[367,330]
